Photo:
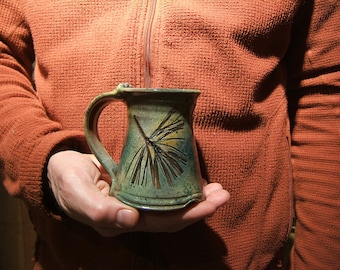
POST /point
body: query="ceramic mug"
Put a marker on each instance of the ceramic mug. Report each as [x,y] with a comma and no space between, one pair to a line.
[158,167]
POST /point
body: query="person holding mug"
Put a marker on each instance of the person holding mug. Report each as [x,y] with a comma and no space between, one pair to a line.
[266,129]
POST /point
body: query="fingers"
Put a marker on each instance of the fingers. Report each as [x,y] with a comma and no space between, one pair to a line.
[104,174]
[103,213]
[173,221]
[81,190]
[92,205]
[215,197]
[215,194]
[110,217]
[103,186]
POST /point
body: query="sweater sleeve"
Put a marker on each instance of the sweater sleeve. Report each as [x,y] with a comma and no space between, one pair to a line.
[314,98]
[27,135]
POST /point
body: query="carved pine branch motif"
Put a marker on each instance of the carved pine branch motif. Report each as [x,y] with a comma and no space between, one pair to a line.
[159,153]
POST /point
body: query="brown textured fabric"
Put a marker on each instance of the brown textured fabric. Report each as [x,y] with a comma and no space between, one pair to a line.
[245,57]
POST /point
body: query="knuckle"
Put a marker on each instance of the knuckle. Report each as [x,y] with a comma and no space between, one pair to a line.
[97,213]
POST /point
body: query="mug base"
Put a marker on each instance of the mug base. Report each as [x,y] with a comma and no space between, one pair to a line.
[157,204]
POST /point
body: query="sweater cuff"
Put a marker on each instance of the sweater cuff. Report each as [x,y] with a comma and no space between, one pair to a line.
[49,199]
[75,142]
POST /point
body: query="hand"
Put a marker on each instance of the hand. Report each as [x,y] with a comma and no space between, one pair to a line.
[81,187]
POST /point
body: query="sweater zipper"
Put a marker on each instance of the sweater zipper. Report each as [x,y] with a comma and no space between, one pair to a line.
[147,51]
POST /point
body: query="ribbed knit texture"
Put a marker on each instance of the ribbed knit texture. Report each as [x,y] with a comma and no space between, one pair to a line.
[244,56]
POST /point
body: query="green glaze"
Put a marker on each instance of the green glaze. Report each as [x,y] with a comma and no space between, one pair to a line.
[158,168]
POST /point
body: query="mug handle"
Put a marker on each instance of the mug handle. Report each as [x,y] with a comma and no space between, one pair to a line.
[92,114]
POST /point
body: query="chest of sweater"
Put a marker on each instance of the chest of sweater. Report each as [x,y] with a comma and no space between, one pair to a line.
[227,49]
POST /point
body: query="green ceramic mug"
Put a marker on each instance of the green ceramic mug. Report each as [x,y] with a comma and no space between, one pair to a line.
[158,167]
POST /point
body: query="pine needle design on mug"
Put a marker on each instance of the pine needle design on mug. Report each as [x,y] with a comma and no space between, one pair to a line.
[159,153]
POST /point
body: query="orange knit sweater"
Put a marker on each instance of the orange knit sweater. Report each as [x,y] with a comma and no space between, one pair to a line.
[251,60]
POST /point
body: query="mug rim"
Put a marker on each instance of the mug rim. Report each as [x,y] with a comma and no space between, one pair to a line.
[159,90]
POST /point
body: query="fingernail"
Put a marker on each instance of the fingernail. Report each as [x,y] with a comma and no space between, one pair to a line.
[125,218]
